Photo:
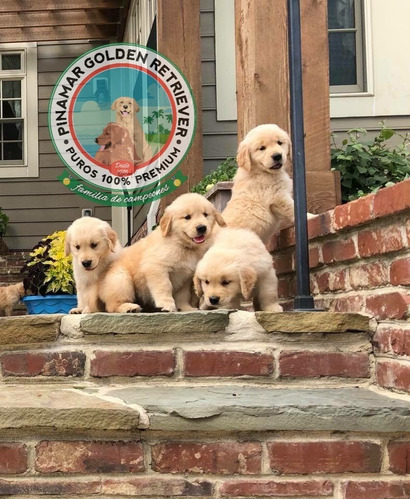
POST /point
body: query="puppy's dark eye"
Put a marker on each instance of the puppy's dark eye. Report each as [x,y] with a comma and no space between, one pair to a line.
[280,143]
[94,245]
[187,217]
[225,282]
[206,282]
[77,247]
[205,214]
[262,148]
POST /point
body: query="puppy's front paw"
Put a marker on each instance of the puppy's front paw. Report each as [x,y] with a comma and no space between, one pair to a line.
[128,307]
[75,310]
[167,306]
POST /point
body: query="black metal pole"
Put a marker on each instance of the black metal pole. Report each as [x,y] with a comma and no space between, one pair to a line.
[303,299]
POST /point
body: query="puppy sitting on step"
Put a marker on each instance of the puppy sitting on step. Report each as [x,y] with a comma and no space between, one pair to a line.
[237,267]
[157,270]
[262,189]
[94,245]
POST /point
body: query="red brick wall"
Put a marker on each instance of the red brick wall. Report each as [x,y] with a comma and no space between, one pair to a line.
[359,256]
[280,464]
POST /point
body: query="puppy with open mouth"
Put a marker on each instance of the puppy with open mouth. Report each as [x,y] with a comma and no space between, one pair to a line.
[157,271]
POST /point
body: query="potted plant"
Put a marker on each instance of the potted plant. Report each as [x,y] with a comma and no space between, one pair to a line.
[49,280]
[216,186]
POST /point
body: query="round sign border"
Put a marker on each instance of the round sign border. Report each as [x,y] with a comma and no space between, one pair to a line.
[150,186]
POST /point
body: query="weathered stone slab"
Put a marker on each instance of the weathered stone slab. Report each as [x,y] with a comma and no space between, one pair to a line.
[29,329]
[313,322]
[61,409]
[236,408]
[181,322]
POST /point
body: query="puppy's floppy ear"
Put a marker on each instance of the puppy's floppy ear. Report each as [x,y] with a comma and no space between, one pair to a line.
[166,224]
[114,104]
[112,238]
[67,249]
[247,279]
[198,286]
[219,219]
[243,157]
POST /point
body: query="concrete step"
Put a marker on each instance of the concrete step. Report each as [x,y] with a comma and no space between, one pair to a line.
[215,347]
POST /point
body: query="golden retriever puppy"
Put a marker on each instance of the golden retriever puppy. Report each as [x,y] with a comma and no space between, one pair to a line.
[237,267]
[94,245]
[262,189]
[10,296]
[116,144]
[157,270]
[126,109]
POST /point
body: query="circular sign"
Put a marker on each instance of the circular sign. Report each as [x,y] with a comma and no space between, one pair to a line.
[122,117]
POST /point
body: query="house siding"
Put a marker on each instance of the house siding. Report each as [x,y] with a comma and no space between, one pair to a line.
[219,137]
[39,206]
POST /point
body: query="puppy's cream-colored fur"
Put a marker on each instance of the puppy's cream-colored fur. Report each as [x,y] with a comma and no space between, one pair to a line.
[10,296]
[126,109]
[262,189]
[237,267]
[157,271]
[94,245]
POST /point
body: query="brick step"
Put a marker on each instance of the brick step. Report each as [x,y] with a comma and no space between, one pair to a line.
[202,442]
[214,347]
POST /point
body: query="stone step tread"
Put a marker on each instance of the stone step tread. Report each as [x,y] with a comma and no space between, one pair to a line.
[245,408]
[216,408]
[62,408]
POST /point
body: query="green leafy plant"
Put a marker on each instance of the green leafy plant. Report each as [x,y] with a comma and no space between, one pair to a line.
[4,220]
[48,271]
[366,166]
[224,172]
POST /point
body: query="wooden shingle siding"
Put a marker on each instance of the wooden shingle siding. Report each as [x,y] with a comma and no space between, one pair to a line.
[49,20]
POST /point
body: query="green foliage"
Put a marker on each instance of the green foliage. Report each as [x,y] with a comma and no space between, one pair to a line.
[48,270]
[367,166]
[4,220]
[224,172]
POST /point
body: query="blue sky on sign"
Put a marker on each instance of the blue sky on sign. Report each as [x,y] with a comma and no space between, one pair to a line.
[92,109]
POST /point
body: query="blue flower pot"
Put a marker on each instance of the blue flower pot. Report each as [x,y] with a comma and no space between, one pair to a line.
[50,304]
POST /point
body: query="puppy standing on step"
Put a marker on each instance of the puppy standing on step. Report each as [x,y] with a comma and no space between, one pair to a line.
[94,245]
[237,267]
[157,271]
[262,189]
[10,296]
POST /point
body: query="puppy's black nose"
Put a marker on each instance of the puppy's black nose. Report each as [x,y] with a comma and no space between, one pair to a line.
[214,300]
[125,106]
[277,157]
[87,263]
[96,140]
[201,229]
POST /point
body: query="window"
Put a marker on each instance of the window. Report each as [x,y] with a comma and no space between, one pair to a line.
[18,114]
[346,46]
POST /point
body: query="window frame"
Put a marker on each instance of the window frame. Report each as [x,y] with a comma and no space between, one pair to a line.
[29,166]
